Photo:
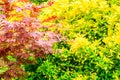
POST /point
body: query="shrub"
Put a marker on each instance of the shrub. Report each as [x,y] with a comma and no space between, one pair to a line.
[91,46]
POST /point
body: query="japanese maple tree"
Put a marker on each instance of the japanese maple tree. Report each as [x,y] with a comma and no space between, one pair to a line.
[20,37]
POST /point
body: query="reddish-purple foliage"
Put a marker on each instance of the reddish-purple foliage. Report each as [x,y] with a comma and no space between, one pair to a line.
[22,40]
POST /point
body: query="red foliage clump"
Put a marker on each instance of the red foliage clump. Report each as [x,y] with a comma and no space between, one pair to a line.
[22,39]
[50,18]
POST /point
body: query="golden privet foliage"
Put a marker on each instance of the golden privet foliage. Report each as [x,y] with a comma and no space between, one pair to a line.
[76,18]
[93,24]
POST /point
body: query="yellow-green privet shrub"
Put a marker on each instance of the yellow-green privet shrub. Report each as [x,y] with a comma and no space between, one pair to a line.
[94,19]
[91,48]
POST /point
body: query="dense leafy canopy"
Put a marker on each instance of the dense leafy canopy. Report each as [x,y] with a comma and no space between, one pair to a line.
[89,48]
